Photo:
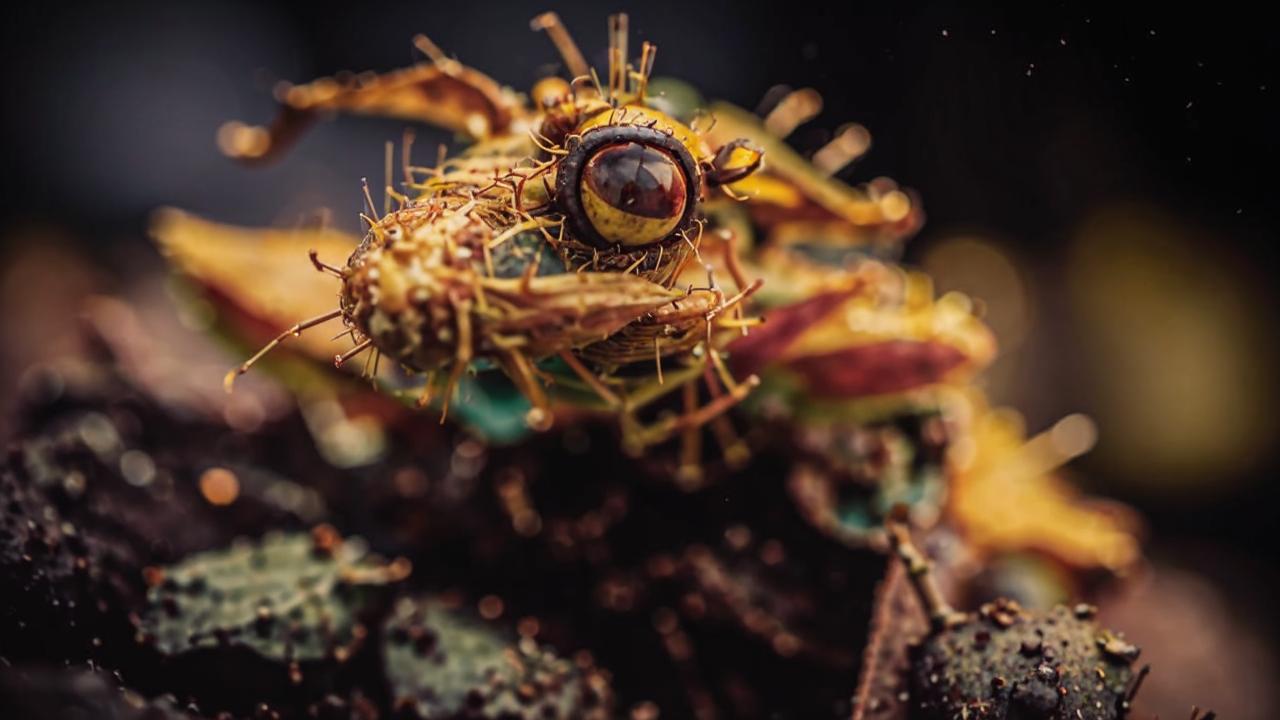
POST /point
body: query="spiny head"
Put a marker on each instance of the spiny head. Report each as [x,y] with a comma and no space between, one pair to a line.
[629,177]
[609,184]
[403,284]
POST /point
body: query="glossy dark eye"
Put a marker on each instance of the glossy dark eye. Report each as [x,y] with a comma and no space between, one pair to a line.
[627,186]
[633,194]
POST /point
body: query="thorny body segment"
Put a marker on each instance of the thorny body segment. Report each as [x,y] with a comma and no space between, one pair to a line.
[566,241]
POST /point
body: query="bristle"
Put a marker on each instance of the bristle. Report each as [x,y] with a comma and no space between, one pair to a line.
[406,155]
[368,199]
[617,54]
[595,81]
[294,331]
[1070,437]
[647,54]
[387,165]
[321,266]
[340,360]
[1136,685]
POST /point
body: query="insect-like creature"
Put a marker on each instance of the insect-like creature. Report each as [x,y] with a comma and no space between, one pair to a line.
[554,248]
[568,277]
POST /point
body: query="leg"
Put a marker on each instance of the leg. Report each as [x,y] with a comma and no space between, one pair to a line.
[689,472]
[462,358]
[522,373]
[731,259]
[294,331]
[637,437]
[591,380]
[424,398]
[736,452]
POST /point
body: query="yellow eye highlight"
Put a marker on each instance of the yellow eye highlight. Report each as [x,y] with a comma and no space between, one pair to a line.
[632,193]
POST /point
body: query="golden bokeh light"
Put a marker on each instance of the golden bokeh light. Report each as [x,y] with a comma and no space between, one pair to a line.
[981,269]
[219,486]
[1175,346]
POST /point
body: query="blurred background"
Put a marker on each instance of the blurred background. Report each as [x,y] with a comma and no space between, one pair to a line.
[1102,179]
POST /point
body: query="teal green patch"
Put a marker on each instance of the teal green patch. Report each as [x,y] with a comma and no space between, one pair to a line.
[911,478]
[490,405]
[512,258]
[486,403]
[856,517]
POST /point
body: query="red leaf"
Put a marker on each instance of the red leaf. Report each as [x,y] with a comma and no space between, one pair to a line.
[873,369]
[782,327]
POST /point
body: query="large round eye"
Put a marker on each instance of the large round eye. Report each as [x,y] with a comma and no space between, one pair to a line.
[627,186]
[633,194]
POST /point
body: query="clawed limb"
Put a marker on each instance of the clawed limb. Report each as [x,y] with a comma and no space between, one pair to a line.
[637,437]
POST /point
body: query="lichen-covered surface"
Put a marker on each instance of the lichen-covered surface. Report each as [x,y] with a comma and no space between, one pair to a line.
[1003,662]
[441,663]
[724,599]
[290,598]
